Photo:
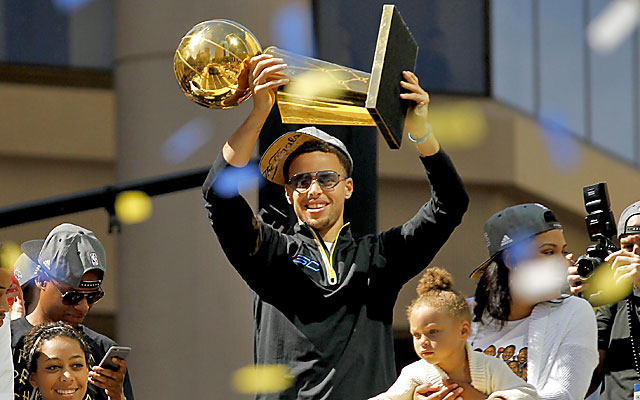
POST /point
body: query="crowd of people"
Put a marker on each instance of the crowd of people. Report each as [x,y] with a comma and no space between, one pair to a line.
[50,354]
[330,319]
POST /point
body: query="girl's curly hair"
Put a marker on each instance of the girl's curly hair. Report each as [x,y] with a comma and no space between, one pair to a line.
[435,289]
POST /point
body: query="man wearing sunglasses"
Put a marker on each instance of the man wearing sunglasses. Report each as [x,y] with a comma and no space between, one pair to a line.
[70,266]
[323,300]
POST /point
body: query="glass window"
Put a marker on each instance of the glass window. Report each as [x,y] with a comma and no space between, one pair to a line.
[613,99]
[450,34]
[512,61]
[562,63]
[60,33]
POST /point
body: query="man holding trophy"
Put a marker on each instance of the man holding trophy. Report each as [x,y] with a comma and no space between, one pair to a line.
[323,300]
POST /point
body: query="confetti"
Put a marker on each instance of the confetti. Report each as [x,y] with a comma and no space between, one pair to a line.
[187,140]
[133,207]
[70,6]
[613,25]
[262,379]
[602,287]
[9,253]
[231,181]
[461,125]
[292,27]
[561,146]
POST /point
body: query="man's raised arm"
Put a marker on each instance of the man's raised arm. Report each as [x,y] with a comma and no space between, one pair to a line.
[265,77]
[416,124]
[232,218]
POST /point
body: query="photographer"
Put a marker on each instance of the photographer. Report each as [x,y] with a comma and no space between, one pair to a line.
[618,328]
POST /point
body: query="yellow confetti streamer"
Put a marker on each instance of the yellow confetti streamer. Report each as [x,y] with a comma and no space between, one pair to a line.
[313,84]
[133,207]
[262,379]
[602,287]
[461,125]
[9,253]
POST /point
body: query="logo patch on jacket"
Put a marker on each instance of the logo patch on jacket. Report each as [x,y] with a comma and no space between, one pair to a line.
[306,262]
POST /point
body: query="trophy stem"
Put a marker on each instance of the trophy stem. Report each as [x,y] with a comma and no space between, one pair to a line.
[322,93]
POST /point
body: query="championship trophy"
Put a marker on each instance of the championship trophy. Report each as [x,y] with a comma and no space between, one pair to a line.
[210,69]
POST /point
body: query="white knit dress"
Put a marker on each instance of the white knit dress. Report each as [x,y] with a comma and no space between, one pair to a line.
[488,375]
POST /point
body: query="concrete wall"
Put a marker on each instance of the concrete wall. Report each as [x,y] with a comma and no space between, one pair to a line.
[55,141]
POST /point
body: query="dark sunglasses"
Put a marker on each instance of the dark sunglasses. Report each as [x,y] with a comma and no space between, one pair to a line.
[73,297]
[326,179]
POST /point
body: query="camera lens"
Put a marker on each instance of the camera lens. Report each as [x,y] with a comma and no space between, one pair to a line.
[586,265]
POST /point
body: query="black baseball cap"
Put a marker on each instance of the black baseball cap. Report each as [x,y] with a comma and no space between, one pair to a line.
[514,224]
[623,229]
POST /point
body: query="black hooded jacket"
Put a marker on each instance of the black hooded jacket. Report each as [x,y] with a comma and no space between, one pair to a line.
[332,325]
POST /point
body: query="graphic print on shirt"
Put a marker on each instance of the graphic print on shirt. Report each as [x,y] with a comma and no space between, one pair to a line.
[517,361]
[306,262]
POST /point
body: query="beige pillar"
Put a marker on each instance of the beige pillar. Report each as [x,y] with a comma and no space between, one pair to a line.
[182,308]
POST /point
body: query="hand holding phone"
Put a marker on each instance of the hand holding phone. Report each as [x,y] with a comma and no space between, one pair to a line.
[114,351]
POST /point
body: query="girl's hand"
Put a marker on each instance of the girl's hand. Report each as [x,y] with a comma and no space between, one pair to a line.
[470,393]
[429,392]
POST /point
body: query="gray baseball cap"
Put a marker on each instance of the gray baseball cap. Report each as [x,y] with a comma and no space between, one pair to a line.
[68,252]
[272,161]
[514,224]
[623,229]
[24,269]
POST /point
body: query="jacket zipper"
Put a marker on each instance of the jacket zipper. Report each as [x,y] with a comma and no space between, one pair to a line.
[332,277]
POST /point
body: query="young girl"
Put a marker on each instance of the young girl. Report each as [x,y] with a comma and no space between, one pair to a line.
[57,358]
[439,321]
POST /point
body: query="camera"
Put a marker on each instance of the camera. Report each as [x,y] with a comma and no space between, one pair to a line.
[601,227]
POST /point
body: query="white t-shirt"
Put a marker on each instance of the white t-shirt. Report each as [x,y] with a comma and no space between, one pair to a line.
[326,255]
[6,360]
[509,343]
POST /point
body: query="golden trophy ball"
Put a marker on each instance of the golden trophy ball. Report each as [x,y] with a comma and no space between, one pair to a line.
[209,63]
[211,69]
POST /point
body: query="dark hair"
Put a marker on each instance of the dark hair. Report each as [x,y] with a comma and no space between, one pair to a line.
[492,293]
[39,334]
[317,145]
[435,289]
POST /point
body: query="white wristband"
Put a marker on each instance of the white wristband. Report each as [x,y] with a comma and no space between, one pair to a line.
[424,139]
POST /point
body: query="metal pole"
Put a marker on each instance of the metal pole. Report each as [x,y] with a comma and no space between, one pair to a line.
[103,197]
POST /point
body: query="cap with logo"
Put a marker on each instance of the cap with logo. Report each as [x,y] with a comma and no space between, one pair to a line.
[24,269]
[623,229]
[272,161]
[68,252]
[512,225]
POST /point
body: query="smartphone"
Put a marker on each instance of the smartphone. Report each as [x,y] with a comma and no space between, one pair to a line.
[114,351]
